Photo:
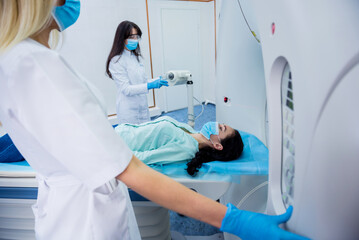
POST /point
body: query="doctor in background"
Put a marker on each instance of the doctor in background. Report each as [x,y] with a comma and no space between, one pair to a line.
[83,167]
[124,65]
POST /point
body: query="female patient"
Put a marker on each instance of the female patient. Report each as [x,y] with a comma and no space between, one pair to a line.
[165,140]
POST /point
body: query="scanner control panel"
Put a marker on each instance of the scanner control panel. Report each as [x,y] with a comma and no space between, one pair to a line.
[288,140]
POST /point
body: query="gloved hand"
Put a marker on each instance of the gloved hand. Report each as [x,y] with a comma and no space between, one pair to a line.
[157,83]
[250,225]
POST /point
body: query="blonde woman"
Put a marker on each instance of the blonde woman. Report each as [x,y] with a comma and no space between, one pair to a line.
[83,167]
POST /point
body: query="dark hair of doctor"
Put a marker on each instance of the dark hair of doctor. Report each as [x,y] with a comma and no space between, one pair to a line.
[232,149]
[123,32]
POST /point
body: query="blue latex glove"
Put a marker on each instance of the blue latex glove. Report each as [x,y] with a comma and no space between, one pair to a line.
[157,83]
[250,225]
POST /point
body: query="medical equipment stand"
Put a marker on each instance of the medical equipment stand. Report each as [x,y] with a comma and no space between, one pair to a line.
[190,112]
[180,77]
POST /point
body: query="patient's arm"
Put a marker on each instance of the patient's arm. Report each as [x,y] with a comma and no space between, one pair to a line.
[170,194]
[169,153]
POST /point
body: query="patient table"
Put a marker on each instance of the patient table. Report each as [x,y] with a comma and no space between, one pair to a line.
[224,181]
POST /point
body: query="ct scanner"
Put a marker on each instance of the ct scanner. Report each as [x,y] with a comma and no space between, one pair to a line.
[310,54]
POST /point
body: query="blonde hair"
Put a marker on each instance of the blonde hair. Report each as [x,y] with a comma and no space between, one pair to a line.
[20,19]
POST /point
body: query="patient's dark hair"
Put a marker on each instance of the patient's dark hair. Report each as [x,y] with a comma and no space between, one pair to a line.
[232,149]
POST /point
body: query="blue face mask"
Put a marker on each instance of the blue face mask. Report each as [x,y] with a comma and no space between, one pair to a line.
[67,14]
[210,128]
[131,44]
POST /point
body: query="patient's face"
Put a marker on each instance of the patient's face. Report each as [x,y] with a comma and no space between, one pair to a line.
[225,131]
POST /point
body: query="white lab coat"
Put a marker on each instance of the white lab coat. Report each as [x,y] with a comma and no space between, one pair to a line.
[59,126]
[131,81]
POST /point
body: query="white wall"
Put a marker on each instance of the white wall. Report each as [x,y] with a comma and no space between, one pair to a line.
[208,50]
[88,42]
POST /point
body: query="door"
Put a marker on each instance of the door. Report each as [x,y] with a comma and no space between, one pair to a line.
[182,38]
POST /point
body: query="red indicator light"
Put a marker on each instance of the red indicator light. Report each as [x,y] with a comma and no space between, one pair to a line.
[225,99]
[273,28]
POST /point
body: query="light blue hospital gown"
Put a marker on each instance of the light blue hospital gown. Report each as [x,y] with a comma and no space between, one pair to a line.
[160,141]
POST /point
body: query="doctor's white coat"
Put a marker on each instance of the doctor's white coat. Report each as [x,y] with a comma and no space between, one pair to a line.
[131,81]
[59,126]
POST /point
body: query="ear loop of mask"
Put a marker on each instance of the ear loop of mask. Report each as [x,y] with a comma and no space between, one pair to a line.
[219,140]
[217,130]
